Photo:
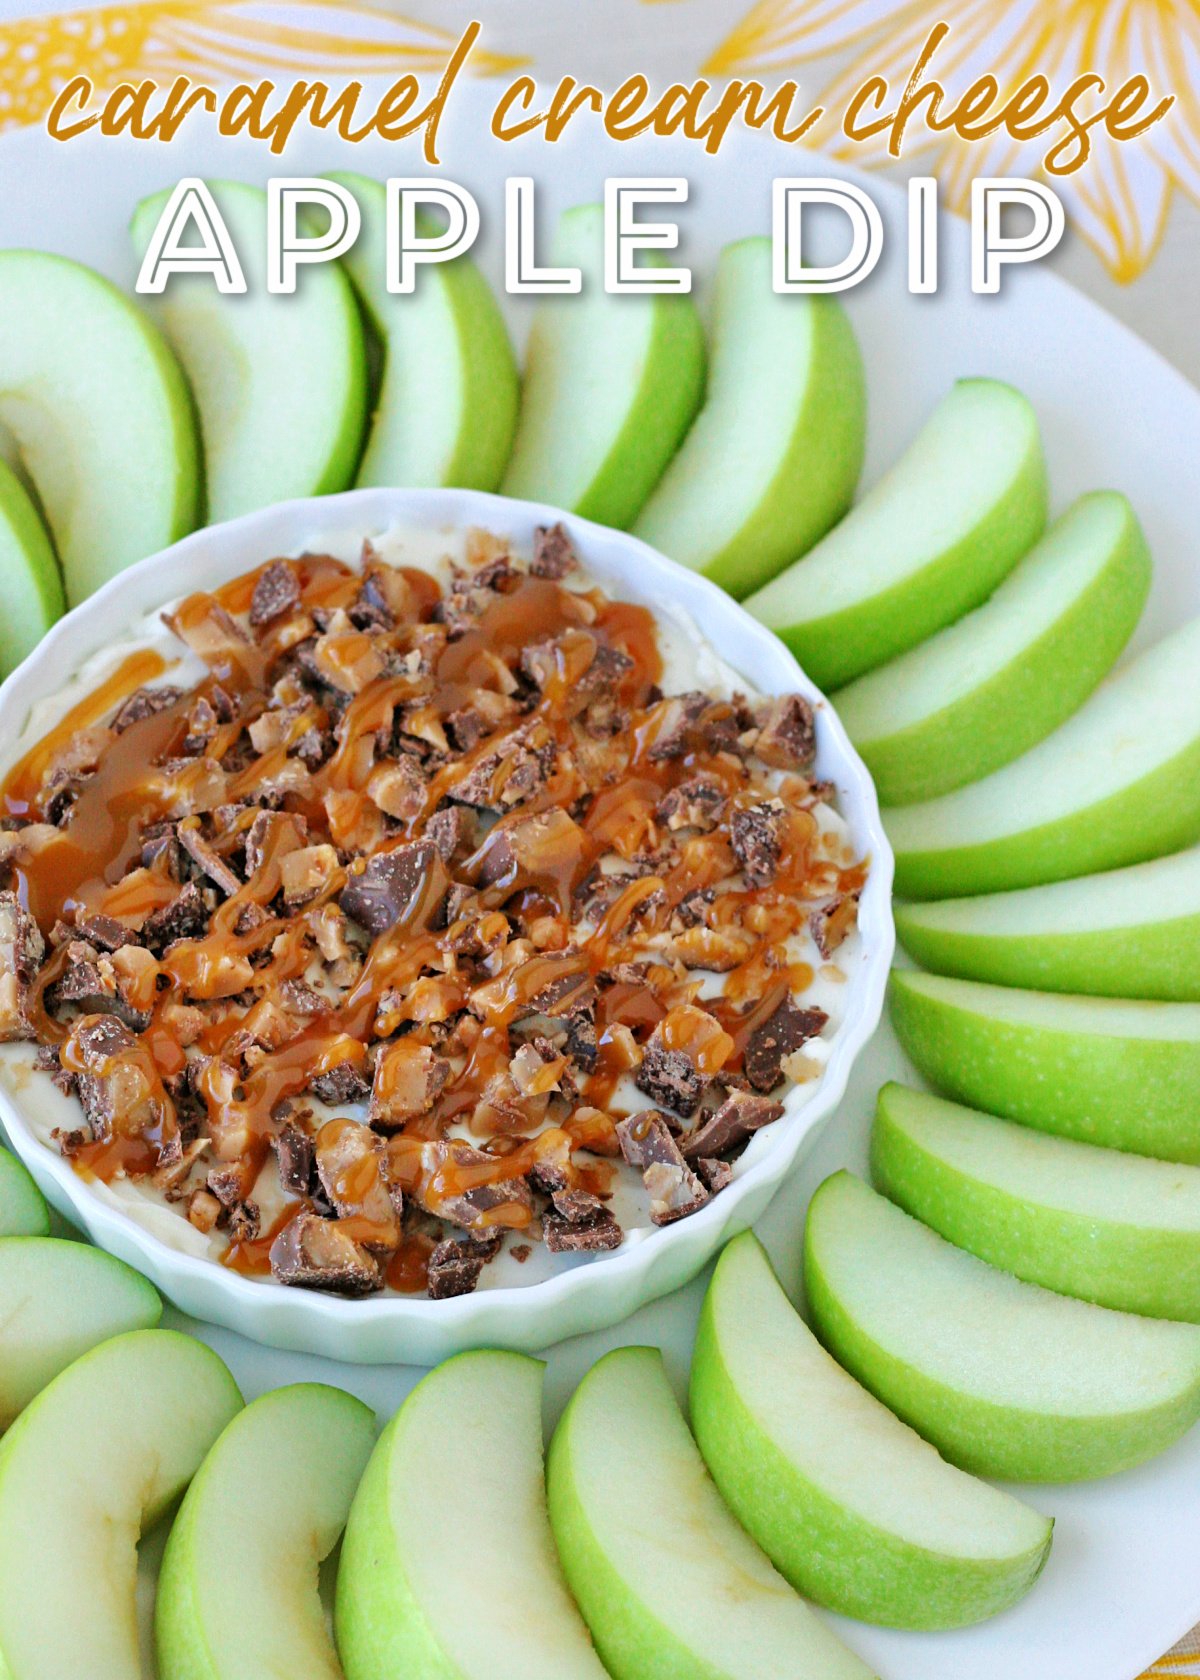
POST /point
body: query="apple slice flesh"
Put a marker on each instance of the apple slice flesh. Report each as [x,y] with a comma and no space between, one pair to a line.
[1104,1070]
[280,381]
[1117,784]
[928,542]
[1004,1378]
[447,403]
[23,1210]
[1131,932]
[409,1548]
[853,1507]
[985,690]
[773,458]
[33,586]
[101,416]
[57,1300]
[671,1587]
[611,385]
[238,1599]
[1098,1224]
[99,1456]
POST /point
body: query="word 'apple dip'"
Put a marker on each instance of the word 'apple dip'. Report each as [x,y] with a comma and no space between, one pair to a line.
[418,911]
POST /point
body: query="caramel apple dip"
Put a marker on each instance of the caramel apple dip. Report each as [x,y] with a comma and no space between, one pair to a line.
[377,918]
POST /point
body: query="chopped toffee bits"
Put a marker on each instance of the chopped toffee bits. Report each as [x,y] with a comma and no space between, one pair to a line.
[365,951]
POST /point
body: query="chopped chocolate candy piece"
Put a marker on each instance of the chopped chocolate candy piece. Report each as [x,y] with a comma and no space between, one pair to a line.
[92,984]
[274,834]
[452,831]
[115,1083]
[277,592]
[448,1191]
[506,775]
[467,727]
[455,1267]
[299,999]
[756,834]
[582,1045]
[144,703]
[105,933]
[343,1083]
[296,1160]
[226,1184]
[409,1078]
[352,1168]
[21,951]
[593,1235]
[680,1057]
[696,803]
[675,720]
[715,949]
[714,1175]
[186,917]
[787,735]
[567,993]
[692,909]
[738,1116]
[245,1222]
[305,873]
[398,788]
[553,552]
[675,1191]
[671,1078]
[407,885]
[538,850]
[317,1253]
[787,1029]
[577,1206]
[207,860]
[832,923]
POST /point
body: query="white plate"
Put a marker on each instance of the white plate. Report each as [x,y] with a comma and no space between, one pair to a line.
[1123,1579]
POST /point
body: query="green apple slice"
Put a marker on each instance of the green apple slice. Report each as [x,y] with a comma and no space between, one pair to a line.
[33,587]
[23,1210]
[446,408]
[671,1587]
[100,414]
[1094,1223]
[1118,783]
[1104,1070]
[99,1456]
[1125,933]
[930,541]
[280,381]
[773,458]
[984,690]
[611,385]
[1004,1378]
[856,1510]
[57,1300]
[238,1595]
[410,1550]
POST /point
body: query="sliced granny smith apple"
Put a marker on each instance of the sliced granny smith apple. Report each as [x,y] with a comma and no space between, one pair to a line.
[238,1595]
[23,1210]
[927,543]
[100,414]
[459,1588]
[1118,783]
[1125,933]
[57,1300]
[671,1587]
[280,381]
[775,453]
[99,1456]
[611,385]
[33,587]
[1004,1378]
[854,1508]
[1094,1223]
[446,407]
[984,690]
[1121,1074]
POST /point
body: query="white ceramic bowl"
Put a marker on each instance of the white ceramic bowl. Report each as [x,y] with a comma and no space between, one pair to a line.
[583,1296]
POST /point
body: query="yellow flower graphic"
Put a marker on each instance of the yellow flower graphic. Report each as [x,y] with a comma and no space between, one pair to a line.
[1118,200]
[213,39]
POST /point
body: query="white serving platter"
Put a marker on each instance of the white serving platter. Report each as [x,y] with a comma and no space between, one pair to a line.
[1123,1581]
